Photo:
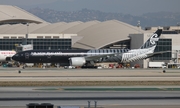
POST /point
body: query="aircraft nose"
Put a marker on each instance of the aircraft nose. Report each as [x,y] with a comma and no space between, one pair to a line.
[15,57]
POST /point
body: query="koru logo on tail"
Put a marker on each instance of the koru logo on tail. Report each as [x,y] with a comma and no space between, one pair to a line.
[154,38]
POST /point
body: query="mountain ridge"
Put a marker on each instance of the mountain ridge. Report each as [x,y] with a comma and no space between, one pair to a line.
[84,15]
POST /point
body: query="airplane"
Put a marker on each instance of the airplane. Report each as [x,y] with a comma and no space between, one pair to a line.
[6,55]
[84,57]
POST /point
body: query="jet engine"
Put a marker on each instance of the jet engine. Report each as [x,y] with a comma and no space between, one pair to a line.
[77,61]
[8,59]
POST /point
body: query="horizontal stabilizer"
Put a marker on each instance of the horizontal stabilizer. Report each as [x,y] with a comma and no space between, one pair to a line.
[157,53]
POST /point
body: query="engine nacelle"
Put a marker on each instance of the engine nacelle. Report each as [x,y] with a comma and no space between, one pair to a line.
[8,59]
[77,61]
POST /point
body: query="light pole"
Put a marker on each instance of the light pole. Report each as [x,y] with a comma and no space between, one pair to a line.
[138,25]
[27,33]
[177,56]
[178,24]
[89,104]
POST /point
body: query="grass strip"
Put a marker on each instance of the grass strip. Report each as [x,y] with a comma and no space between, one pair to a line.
[88,83]
[122,89]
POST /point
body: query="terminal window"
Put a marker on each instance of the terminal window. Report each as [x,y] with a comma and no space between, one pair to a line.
[163,45]
[10,44]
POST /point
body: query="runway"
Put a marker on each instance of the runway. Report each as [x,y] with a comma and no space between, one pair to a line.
[20,96]
[106,96]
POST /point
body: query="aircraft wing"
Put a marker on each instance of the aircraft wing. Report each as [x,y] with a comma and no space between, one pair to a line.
[157,53]
[98,57]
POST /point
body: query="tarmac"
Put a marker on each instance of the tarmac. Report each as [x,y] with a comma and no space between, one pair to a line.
[81,77]
[59,72]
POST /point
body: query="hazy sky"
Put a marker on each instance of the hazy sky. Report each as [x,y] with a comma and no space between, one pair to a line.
[133,7]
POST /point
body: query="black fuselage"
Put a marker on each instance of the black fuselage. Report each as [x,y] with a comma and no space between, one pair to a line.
[48,56]
[60,56]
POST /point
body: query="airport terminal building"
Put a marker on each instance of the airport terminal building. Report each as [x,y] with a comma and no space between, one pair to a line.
[17,25]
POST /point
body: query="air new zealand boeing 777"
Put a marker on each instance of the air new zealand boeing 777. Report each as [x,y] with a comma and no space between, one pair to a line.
[81,57]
